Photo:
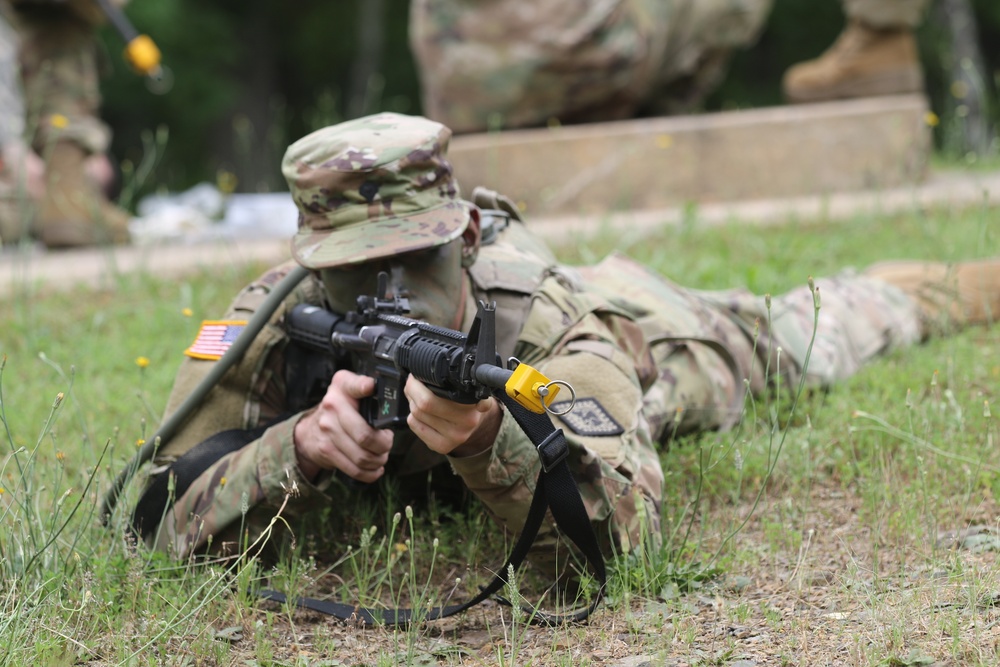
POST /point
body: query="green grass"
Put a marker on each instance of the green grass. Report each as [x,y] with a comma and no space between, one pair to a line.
[900,452]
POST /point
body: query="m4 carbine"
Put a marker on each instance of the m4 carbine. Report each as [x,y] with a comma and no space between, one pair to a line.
[377,340]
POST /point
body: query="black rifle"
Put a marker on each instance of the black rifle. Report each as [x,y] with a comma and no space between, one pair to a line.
[377,340]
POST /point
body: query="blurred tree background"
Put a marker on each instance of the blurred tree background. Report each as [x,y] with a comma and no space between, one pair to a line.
[251,76]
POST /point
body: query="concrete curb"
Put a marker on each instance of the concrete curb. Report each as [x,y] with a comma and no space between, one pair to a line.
[27,270]
[30,269]
[941,191]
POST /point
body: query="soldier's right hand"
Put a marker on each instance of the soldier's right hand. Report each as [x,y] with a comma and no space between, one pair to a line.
[335,435]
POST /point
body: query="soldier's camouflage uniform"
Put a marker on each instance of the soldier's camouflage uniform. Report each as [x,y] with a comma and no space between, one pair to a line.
[489,63]
[61,66]
[11,101]
[887,13]
[648,359]
[61,62]
[11,123]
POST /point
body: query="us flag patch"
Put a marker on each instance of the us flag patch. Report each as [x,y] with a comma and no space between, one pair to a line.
[214,338]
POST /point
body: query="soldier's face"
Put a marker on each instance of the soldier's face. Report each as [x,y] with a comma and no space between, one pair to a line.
[431,279]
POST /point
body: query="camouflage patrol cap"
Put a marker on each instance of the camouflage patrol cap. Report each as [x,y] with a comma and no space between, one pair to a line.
[372,187]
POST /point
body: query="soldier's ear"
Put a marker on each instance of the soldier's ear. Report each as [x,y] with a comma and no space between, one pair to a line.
[471,238]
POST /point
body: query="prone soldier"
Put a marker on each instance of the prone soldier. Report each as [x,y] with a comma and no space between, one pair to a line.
[647,359]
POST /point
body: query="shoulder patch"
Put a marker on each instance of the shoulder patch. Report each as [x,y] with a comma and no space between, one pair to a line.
[214,338]
[588,417]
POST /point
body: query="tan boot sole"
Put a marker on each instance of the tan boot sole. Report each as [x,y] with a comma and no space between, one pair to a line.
[890,82]
[67,235]
[949,295]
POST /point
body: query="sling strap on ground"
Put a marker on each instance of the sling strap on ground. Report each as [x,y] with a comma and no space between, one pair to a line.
[556,490]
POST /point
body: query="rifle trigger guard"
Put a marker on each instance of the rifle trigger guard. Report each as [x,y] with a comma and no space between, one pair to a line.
[572,397]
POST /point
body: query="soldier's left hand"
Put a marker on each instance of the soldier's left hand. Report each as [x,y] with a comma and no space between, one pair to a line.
[447,427]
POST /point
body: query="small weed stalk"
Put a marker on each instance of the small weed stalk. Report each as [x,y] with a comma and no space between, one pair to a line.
[135,177]
[519,620]
[35,515]
[676,561]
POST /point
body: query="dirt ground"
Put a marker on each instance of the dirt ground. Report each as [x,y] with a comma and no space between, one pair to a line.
[830,590]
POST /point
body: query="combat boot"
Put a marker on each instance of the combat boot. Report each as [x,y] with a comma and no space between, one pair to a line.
[950,296]
[74,212]
[863,62]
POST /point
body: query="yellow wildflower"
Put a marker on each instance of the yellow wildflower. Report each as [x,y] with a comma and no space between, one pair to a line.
[58,120]
[142,362]
[226,181]
[222,482]
[401,548]
[140,442]
[187,312]
[60,456]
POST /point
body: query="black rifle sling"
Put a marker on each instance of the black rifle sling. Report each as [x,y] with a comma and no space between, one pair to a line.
[556,490]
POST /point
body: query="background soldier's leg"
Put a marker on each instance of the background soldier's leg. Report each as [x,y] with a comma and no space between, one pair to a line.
[887,14]
[526,64]
[59,64]
[876,54]
[702,34]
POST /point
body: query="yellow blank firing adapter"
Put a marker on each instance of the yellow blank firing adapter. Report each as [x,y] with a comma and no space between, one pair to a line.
[140,51]
[534,391]
[143,54]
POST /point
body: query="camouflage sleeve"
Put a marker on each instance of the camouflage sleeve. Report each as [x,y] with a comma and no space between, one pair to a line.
[252,392]
[254,481]
[11,100]
[236,501]
[61,67]
[612,455]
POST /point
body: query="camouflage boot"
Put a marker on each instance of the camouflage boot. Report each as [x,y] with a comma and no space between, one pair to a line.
[949,295]
[863,62]
[74,212]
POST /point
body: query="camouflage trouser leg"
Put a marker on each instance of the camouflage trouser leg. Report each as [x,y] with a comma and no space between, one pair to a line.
[516,64]
[711,347]
[887,13]
[859,318]
[699,28]
[524,64]
[11,103]
[701,354]
[59,63]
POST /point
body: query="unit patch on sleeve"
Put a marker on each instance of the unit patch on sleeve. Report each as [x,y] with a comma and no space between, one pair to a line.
[588,417]
[214,338]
